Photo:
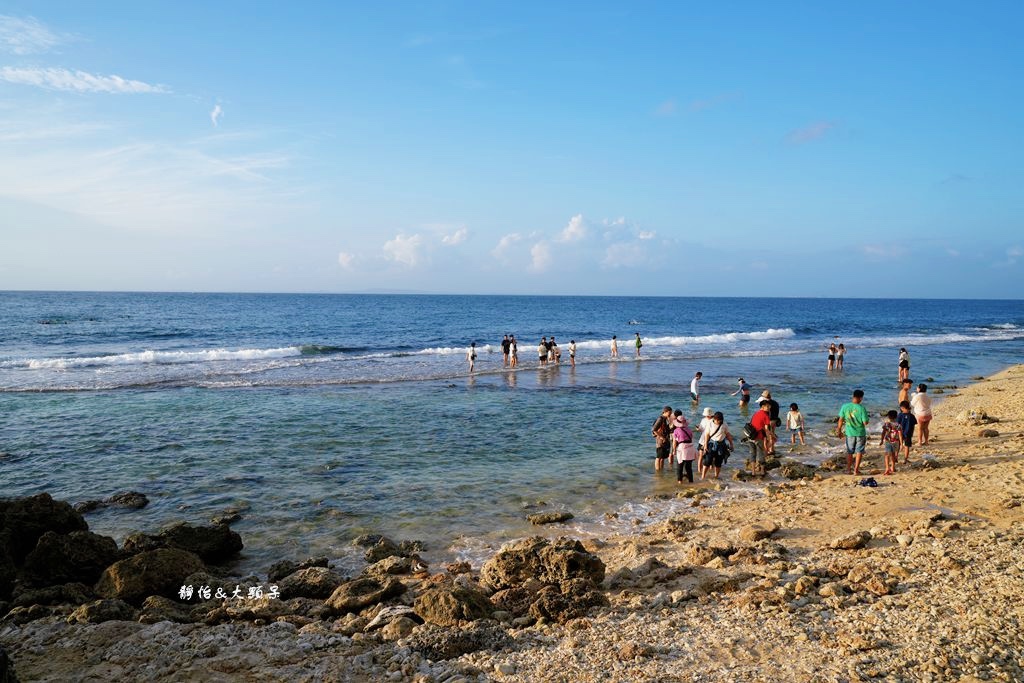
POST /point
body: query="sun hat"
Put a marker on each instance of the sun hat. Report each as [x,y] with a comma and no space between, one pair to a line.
[680,421]
[766,394]
[708,412]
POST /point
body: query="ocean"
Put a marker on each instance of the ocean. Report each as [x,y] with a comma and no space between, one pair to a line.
[322,417]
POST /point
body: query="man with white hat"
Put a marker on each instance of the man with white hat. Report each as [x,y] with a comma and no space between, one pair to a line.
[707,422]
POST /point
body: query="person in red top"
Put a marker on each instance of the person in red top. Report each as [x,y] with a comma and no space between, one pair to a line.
[760,421]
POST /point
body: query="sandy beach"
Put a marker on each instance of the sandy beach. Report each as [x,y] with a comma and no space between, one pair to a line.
[920,578]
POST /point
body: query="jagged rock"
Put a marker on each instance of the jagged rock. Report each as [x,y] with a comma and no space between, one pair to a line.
[154,572]
[65,594]
[409,548]
[756,532]
[23,615]
[139,543]
[450,605]
[458,568]
[392,565]
[157,608]
[796,470]
[397,629]
[281,569]
[851,541]
[388,614]
[988,433]
[80,556]
[259,609]
[7,674]
[103,610]
[226,518]
[355,595]
[517,600]
[571,600]
[312,582]
[128,499]
[383,548]
[833,464]
[213,544]
[549,517]
[24,520]
[445,642]
[677,527]
[549,562]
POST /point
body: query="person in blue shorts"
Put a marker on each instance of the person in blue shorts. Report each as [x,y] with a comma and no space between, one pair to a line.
[853,423]
[907,422]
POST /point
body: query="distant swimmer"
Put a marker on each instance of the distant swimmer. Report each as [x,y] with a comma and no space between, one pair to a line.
[638,345]
[615,347]
[634,321]
[471,356]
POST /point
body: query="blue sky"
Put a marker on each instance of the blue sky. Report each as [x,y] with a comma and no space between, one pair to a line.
[733,149]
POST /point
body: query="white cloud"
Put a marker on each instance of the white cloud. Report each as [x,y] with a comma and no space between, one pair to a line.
[215,115]
[404,250]
[25,36]
[575,231]
[457,237]
[624,255]
[540,257]
[645,235]
[76,81]
[814,131]
[346,259]
[506,243]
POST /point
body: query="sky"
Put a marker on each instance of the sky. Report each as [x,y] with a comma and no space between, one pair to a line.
[871,149]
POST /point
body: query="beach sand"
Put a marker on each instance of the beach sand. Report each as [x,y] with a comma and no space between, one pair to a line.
[745,589]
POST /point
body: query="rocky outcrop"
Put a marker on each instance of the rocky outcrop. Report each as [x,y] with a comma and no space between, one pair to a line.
[448,605]
[154,572]
[441,642]
[103,610]
[571,600]
[131,500]
[358,594]
[546,561]
[64,594]
[281,569]
[213,544]
[796,470]
[312,582]
[549,517]
[851,541]
[80,556]
[22,522]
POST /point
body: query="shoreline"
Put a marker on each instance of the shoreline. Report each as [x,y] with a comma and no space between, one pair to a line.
[935,592]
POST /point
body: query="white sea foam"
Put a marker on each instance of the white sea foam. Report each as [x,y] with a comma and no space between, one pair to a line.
[154,357]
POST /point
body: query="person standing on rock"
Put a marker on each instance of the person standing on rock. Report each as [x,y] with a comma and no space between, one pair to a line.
[773,411]
[853,423]
[921,404]
[760,443]
[904,364]
[661,430]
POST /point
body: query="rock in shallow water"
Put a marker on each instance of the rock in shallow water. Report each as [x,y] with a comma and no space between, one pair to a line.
[549,517]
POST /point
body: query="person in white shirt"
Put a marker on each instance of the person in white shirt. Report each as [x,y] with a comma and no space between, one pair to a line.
[921,405]
[695,387]
[572,352]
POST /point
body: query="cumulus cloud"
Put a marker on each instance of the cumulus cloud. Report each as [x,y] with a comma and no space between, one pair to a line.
[25,36]
[810,133]
[506,243]
[645,235]
[215,115]
[457,237]
[575,231]
[540,257]
[624,255]
[404,250]
[346,260]
[76,81]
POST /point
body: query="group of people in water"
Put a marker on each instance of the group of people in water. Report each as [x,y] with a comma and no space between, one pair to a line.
[710,443]
[548,351]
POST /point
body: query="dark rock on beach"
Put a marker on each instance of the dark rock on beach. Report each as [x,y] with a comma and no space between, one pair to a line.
[132,500]
[103,610]
[449,605]
[213,544]
[571,600]
[537,558]
[549,517]
[65,594]
[311,582]
[358,594]
[157,608]
[440,642]
[154,572]
[80,556]
[24,520]
[281,569]
[796,470]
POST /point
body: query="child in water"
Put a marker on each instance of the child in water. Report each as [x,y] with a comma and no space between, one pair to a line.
[795,422]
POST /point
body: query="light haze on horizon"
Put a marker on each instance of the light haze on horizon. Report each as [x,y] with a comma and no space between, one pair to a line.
[740,149]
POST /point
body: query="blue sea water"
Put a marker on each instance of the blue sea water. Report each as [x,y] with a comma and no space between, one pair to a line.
[326,416]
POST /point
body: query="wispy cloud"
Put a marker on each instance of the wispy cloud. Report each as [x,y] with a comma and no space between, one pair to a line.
[404,249]
[810,133]
[215,115]
[76,81]
[666,108]
[500,251]
[883,252]
[1013,254]
[25,36]
[455,238]
[712,102]
[346,260]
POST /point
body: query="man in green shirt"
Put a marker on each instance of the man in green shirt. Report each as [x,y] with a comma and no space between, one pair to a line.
[853,422]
